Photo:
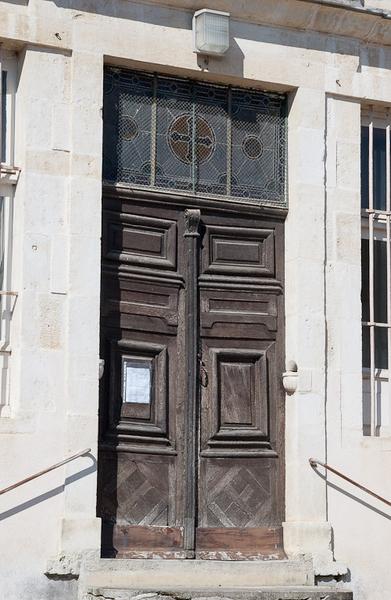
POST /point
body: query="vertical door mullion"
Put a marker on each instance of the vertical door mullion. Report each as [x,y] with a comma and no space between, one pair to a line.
[191,235]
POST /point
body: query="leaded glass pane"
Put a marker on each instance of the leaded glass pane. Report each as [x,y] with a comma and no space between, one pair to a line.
[177,134]
[174,135]
[211,140]
[256,151]
[127,131]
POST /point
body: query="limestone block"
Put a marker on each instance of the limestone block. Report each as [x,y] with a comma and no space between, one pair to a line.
[152,574]
[59,264]
[85,206]
[36,262]
[313,538]
[348,165]
[84,265]
[83,317]
[44,204]
[49,162]
[60,130]
[80,536]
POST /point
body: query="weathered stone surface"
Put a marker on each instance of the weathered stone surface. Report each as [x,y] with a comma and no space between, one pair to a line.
[195,574]
[303,593]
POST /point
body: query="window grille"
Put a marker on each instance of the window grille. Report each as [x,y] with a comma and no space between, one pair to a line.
[182,135]
[8,179]
[7,106]
[376,273]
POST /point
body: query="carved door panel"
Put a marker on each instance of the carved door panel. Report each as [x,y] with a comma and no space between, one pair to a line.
[241,487]
[140,489]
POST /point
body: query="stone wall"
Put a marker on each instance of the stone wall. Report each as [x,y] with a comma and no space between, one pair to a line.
[62,46]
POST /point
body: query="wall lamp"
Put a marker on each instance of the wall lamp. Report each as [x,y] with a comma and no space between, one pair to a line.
[211,32]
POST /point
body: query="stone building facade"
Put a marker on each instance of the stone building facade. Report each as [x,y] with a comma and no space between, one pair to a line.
[330,63]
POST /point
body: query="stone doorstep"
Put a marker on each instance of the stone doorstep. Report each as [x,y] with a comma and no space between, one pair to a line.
[265,593]
[157,575]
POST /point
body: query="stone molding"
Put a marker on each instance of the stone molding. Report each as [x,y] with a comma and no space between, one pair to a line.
[323,16]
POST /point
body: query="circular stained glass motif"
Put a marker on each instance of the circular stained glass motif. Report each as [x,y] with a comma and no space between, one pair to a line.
[180,135]
[129,128]
[252,147]
[223,179]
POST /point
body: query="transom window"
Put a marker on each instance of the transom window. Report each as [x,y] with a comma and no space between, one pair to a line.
[176,134]
[376,272]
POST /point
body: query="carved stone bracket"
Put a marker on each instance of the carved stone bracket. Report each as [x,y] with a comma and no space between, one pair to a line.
[192,222]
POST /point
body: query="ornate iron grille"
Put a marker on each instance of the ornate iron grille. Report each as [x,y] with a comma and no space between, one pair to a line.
[192,137]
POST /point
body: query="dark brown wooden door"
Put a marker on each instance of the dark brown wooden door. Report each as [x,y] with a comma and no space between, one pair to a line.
[191,456]
[240,499]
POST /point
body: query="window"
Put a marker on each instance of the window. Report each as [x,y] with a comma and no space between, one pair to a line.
[182,135]
[8,179]
[376,273]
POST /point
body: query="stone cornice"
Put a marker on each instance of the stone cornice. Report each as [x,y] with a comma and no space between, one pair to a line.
[333,17]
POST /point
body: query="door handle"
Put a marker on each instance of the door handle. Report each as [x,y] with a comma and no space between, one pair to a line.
[203,373]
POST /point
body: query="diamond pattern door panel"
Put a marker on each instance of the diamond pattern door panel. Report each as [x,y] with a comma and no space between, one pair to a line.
[240,495]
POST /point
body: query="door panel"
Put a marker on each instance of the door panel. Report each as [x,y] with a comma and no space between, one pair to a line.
[191,458]
[140,495]
[241,454]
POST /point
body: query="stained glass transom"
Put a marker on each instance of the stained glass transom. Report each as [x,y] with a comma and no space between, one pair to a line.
[192,137]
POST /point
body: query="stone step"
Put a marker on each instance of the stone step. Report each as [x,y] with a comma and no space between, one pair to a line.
[265,593]
[155,575]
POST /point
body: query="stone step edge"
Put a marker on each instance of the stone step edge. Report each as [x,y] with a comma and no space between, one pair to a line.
[130,564]
[213,574]
[261,593]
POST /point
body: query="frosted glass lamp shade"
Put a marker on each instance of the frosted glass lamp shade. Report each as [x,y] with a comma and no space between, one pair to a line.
[211,32]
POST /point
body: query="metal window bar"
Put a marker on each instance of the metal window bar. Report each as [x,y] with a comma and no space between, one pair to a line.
[371,283]
[251,118]
[378,224]
[153,132]
[388,243]
[229,141]
[1,111]
[8,69]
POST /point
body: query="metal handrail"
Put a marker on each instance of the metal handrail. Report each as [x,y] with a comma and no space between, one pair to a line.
[314,462]
[47,470]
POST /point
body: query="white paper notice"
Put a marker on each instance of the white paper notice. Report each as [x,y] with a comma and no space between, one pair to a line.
[137,383]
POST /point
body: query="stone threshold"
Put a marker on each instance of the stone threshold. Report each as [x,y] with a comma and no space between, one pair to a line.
[155,575]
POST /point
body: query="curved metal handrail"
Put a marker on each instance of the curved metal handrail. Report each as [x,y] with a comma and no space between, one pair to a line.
[47,470]
[314,462]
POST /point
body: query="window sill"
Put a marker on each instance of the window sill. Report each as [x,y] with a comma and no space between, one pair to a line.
[380,443]
[9,174]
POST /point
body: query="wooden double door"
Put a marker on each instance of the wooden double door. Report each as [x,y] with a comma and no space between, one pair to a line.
[191,457]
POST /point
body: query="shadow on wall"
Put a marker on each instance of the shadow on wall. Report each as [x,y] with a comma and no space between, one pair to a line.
[169,17]
[352,496]
[51,493]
